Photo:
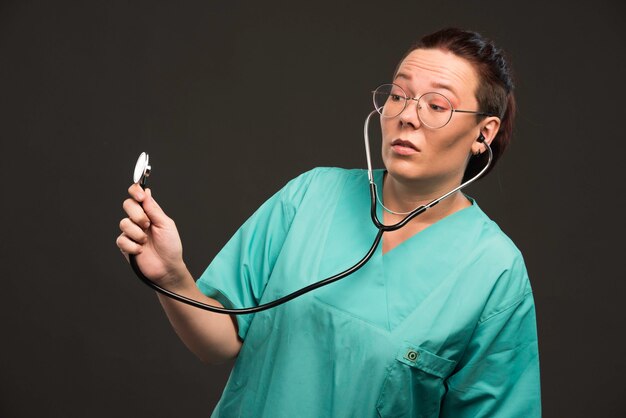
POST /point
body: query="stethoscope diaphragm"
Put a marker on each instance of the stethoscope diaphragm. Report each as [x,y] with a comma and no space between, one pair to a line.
[142,169]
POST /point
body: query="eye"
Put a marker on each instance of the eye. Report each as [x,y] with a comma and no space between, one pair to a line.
[436,107]
[395,97]
[435,103]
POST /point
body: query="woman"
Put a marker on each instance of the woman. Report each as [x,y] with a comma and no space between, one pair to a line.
[440,323]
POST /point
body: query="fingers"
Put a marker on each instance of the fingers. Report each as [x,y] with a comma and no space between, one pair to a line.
[131,239]
[147,205]
[136,192]
[143,213]
[153,210]
[133,231]
[127,246]
[136,213]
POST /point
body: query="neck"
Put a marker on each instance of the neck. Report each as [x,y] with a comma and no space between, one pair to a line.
[404,197]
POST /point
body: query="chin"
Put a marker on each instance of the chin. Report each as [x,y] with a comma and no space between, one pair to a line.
[404,170]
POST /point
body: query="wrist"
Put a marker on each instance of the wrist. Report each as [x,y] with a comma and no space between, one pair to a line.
[177,278]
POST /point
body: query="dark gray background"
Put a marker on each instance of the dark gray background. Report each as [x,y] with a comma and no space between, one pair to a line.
[232,99]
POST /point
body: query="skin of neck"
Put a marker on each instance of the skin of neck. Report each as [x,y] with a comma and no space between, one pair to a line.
[404,196]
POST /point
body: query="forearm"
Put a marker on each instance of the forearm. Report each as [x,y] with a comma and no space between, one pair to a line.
[210,336]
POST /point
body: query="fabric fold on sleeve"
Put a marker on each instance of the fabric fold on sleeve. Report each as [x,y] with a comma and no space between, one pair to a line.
[237,276]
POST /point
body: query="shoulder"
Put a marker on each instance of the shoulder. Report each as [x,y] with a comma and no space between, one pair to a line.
[497,253]
[324,174]
[498,244]
[318,180]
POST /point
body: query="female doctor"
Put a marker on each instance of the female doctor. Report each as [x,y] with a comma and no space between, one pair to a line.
[439,323]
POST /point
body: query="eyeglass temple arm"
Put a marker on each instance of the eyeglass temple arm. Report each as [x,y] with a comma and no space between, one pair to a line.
[471,111]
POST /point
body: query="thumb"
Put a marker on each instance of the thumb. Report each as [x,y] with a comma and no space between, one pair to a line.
[153,210]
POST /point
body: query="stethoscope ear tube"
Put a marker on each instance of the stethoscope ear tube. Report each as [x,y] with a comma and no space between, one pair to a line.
[420,209]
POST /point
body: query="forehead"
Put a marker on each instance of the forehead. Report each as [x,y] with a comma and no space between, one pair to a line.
[424,68]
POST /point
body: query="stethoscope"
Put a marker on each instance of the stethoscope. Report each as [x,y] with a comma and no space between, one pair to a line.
[143,169]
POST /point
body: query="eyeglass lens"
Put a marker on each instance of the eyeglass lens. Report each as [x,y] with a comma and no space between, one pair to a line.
[433,109]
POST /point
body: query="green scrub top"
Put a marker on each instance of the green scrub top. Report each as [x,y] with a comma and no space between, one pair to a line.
[443,325]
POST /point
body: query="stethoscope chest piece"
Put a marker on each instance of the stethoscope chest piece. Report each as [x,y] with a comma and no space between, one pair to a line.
[142,169]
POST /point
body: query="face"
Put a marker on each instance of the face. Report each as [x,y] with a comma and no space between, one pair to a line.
[414,153]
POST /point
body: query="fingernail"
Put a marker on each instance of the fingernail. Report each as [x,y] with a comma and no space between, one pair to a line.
[147,225]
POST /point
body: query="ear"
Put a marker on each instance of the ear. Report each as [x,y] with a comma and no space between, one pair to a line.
[489,129]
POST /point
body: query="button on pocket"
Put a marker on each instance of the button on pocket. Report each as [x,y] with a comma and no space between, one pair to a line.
[426,361]
[411,355]
[414,384]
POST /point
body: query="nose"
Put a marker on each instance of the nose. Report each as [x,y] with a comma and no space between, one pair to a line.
[408,116]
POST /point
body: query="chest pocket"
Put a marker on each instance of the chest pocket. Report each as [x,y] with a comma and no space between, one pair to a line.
[414,385]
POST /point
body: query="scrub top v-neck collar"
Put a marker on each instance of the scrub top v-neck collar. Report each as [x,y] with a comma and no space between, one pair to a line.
[379,176]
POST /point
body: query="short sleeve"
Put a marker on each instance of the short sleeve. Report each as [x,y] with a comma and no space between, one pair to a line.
[237,276]
[498,375]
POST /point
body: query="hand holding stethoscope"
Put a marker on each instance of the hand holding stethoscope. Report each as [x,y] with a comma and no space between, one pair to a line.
[149,236]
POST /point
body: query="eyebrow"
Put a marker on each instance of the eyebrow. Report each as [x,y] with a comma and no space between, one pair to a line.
[439,85]
[436,84]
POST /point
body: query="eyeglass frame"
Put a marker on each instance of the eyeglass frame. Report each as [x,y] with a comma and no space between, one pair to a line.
[417,99]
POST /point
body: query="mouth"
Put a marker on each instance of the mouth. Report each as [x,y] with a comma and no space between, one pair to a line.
[403,147]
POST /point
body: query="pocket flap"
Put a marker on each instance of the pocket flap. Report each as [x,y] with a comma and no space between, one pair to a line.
[415,356]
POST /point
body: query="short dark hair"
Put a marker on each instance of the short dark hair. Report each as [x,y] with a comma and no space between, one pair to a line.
[495,88]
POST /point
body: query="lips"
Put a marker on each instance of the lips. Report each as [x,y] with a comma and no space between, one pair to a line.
[402,143]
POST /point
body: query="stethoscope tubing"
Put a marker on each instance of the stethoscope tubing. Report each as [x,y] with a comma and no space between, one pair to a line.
[382,228]
[265,306]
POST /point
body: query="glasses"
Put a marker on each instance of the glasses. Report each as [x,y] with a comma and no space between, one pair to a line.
[434,110]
